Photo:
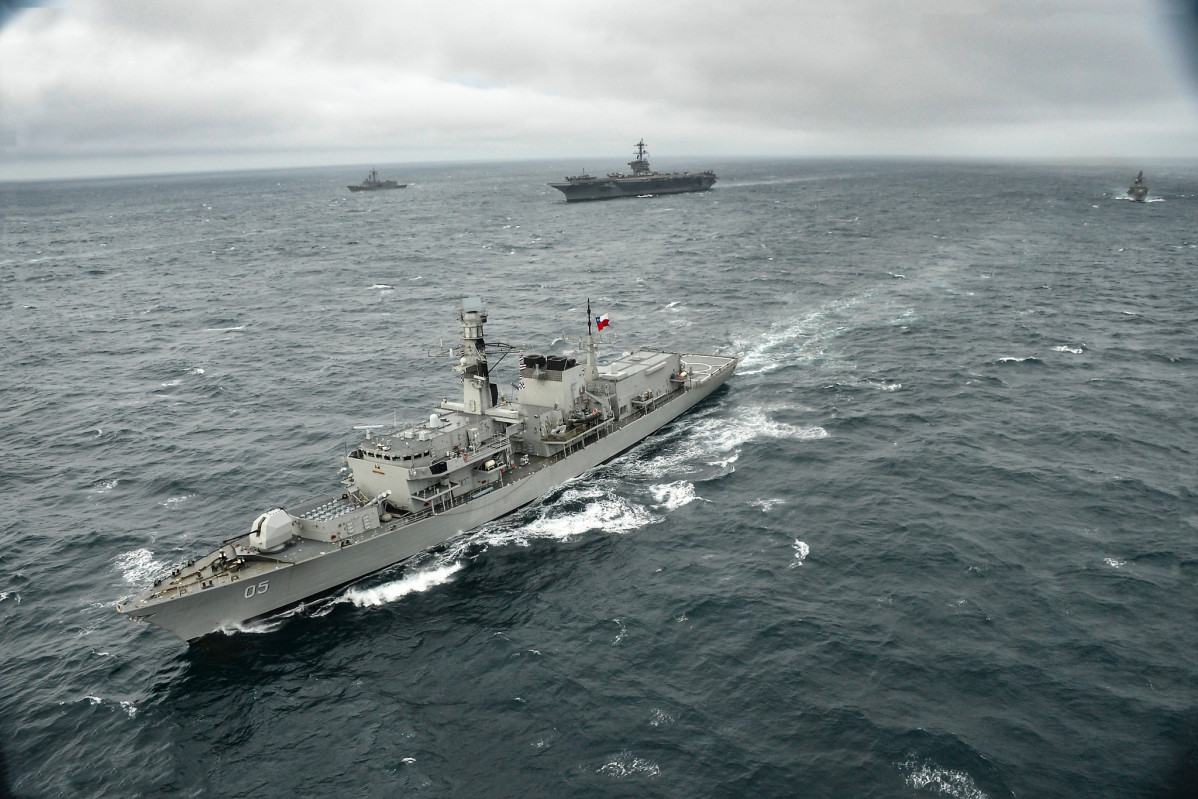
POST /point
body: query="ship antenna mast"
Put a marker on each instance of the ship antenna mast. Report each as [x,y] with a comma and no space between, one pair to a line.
[640,164]
[592,371]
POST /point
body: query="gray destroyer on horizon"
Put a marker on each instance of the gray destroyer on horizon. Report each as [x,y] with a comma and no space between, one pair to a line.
[643,181]
[411,489]
[373,183]
[1138,190]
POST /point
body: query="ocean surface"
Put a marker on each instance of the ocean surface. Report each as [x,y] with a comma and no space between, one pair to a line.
[938,537]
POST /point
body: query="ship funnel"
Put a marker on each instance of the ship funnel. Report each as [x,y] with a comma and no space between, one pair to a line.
[478,393]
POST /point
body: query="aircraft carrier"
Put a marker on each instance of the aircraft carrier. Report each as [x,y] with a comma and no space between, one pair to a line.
[642,181]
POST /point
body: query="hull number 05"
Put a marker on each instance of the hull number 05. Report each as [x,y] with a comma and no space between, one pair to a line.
[260,588]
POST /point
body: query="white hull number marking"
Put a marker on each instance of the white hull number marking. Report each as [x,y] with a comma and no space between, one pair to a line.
[260,588]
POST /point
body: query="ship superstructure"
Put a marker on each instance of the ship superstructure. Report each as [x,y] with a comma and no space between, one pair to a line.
[412,488]
[642,181]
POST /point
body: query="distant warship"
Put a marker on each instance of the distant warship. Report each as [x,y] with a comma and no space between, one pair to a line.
[642,182]
[372,183]
[1138,190]
[411,489]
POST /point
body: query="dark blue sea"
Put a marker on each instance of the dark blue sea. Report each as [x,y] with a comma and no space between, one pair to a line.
[938,537]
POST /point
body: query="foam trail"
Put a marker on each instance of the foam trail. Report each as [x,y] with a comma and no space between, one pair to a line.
[791,342]
[712,439]
[601,510]
[626,764]
[138,566]
[604,512]
[754,424]
[255,628]
[417,582]
[927,776]
[674,495]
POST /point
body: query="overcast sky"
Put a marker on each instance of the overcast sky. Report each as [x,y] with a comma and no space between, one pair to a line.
[90,87]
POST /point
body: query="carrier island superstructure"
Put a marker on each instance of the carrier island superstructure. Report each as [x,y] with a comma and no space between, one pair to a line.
[413,488]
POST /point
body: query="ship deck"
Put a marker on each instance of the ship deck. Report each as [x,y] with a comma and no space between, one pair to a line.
[701,368]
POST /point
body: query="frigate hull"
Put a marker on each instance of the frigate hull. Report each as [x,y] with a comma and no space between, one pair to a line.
[266,584]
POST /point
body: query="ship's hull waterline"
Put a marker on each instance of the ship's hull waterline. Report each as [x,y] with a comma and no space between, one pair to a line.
[266,583]
[614,188]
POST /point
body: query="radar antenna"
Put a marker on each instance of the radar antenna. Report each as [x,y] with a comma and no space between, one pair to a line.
[368,428]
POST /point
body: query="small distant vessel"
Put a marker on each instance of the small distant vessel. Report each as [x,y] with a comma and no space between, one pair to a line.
[413,488]
[642,182]
[1138,190]
[372,183]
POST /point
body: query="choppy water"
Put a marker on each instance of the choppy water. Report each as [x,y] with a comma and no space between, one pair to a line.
[936,538]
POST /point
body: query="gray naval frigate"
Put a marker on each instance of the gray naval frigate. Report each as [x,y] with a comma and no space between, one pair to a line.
[372,183]
[411,489]
[643,181]
[1138,190]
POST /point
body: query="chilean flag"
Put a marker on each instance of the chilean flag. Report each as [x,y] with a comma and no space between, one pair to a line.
[601,322]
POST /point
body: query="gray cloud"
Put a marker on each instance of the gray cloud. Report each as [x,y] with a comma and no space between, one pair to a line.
[309,80]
